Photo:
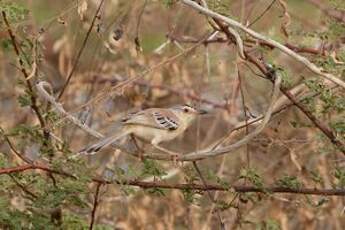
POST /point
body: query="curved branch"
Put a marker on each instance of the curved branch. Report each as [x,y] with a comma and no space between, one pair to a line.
[204,154]
[43,93]
[270,41]
[239,42]
[208,152]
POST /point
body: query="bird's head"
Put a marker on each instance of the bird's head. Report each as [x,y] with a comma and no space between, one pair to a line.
[187,113]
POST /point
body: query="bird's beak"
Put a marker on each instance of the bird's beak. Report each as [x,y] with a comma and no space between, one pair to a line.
[202,111]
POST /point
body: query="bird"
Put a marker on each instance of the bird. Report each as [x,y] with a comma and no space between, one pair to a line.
[154,125]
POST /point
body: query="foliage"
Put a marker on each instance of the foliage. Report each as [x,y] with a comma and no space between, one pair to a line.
[252,176]
[111,77]
[289,182]
[14,11]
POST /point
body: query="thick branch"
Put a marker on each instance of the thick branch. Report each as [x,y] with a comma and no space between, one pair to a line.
[270,41]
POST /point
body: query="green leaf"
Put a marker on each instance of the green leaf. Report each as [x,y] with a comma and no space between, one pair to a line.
[289,182]
[253,176]
[339,174]
[14,12]
[24,100]
[151,168]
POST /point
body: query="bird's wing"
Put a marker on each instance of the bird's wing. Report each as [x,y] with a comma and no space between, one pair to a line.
[155,118]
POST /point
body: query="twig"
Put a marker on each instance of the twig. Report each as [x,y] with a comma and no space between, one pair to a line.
[244,107]
[95,205]
[80,52]
[147,71]
[43,93]
[319,124]
[286,18]
[204,154]
[22,187]
[270,41]
[22,168]
[26,75]
[179,92]
[213,201]
[18,154]
[262,14]
[247,41]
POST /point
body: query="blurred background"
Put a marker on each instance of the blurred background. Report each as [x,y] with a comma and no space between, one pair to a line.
[151,41]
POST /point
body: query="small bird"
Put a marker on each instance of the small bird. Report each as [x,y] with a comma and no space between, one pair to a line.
[154,125]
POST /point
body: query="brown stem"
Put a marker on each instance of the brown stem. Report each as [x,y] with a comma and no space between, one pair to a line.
[320,125]
[201,187]
[95,205]
[195,164]
[80,52]
[25,74]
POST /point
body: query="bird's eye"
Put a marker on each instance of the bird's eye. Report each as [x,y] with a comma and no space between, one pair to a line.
[186,110]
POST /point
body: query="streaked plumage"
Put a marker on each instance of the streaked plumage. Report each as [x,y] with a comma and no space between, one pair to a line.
[155,125]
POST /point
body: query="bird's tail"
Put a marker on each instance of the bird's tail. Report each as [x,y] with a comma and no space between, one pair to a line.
[93,149]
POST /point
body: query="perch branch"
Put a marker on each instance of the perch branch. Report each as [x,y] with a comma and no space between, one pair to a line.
[185,186]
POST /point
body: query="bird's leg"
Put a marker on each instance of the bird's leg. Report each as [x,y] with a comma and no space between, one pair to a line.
[140,150]
[175,156]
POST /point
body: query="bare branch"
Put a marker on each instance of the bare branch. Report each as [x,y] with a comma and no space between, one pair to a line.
[270,41]
[69,77]
[95,205]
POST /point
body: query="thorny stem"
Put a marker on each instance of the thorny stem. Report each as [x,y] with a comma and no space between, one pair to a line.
[33,105]
[200,187]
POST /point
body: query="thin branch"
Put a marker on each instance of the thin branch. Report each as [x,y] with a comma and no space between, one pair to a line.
[22,187]
[213,201]
[223,150]
[185,186]
[247,42]
[18,154]
[22,168]
[179,92]
[147,71]
[25,74]
[80,51]
[244,107]
[270,41]
[95,205]
[48,97]
[318,123]
[262,14]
